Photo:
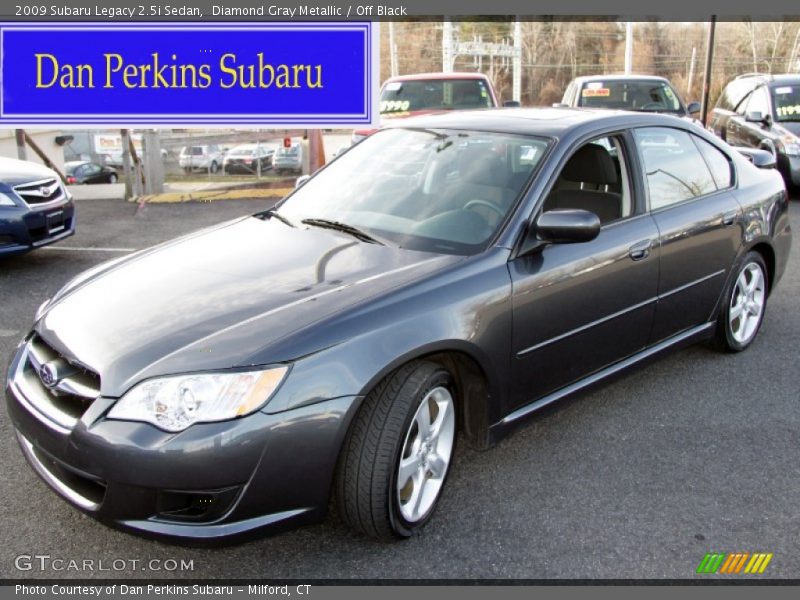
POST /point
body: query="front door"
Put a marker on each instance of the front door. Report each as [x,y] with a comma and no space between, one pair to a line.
[580,307]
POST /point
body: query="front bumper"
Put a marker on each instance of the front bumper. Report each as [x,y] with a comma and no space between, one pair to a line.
[23,229]
[789,166]
[210,482]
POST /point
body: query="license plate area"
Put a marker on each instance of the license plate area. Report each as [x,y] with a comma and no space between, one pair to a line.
[55,222]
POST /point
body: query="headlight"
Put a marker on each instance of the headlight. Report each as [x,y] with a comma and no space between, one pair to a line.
[791,149]
[6,200]
[791,145]
[175,403]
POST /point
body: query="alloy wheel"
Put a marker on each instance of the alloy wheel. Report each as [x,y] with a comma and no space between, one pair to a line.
[426,455]
[747,303]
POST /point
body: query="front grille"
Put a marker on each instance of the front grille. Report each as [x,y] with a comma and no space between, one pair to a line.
[58,388]
[40,192]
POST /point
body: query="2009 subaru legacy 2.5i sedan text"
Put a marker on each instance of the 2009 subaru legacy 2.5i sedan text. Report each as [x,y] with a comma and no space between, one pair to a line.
[442,280]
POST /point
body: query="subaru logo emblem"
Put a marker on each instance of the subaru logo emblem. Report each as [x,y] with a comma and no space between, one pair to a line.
[48,374]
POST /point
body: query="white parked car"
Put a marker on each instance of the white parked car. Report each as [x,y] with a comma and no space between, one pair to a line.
[206,158]
[288,159]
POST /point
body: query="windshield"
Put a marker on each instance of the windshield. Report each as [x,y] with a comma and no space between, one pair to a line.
[288,151]
[430,190]
[643,95]
[787,102]
[434,94]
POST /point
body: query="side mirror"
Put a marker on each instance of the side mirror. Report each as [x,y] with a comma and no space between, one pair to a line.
[758,117]
[760,158]
[566,226]
[693,108]
[301,180]
[511,104]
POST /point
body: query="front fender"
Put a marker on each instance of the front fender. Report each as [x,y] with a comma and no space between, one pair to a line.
[468,313]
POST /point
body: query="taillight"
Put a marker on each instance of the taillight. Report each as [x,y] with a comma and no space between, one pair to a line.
[70,179]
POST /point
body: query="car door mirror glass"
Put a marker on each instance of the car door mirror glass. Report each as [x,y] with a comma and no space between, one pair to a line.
[693,108]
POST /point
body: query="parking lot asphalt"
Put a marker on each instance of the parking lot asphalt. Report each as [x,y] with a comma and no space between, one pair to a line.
[697,453]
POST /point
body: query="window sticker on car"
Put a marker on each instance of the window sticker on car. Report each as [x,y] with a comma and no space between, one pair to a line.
[593,85]
[786,111]
[395,105]
[589,93]
[668,93]
[393,86]
[783,90]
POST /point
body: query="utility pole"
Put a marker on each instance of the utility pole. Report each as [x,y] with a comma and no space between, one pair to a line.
[447,46]
[516,87]
[690,78]
[628,47]
[712,25]
[392,50]
[19,134]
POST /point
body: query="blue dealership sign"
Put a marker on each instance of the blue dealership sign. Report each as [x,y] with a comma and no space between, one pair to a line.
[305,74]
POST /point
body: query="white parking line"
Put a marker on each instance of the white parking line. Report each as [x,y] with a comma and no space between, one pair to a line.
[8,332]
[87,249]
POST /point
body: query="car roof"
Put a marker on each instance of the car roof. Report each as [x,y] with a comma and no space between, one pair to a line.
[426,76]
[548,122]
[619,77]
[784,78]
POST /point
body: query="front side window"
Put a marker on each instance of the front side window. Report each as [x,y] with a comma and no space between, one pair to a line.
[595,178]
[445,191]
[674,168]
[758,102]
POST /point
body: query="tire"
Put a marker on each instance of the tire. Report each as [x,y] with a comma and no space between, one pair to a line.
[214,166]
[745,302]
[370,493]
[112,178]
[187,170]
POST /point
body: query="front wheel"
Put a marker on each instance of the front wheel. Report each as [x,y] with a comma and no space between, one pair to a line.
[398,452]
[746,301]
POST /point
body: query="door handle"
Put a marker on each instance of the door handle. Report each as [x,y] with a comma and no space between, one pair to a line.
[729,217]
[640,250]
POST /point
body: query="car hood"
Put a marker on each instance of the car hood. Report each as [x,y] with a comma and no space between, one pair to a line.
[216,299]
[790,126]
[15,172]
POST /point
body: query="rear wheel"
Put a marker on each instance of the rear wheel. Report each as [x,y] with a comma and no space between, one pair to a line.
[398,452]
[112,178]
[746,301]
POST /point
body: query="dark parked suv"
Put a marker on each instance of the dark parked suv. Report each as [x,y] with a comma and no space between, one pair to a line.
[762,111]
[35,208]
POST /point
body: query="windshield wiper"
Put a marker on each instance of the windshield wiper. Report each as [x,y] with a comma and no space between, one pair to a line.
[270,213]
[345,228]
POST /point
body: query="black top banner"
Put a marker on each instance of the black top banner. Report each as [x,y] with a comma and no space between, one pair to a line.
[393,10]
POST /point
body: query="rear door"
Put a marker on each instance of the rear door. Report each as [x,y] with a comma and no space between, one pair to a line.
[688,182]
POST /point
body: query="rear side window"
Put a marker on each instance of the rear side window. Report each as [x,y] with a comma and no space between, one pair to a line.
[674,168]
[718,163]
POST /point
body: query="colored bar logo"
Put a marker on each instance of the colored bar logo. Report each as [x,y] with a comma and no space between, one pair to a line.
[734,563]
